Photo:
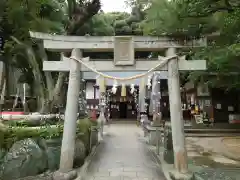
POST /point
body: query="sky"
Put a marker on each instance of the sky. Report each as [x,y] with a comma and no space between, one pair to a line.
[114,5]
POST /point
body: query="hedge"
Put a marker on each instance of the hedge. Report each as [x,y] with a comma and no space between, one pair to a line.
[12,133]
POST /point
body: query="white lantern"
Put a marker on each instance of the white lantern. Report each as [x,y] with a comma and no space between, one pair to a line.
[132,88]
[149,82]
[114,88]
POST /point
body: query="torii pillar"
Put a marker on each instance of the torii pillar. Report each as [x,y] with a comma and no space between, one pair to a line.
[180,152]
[70,123]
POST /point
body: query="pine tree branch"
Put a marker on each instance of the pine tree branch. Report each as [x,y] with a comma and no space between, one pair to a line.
[82,13]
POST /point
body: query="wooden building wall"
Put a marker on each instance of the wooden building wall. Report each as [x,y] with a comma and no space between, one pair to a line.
[224,103]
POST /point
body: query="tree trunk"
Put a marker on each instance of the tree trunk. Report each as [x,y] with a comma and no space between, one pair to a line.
[59,91]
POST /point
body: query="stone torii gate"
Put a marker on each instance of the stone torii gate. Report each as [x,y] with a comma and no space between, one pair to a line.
[124,48]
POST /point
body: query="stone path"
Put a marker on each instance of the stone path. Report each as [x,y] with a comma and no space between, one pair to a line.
[123,156]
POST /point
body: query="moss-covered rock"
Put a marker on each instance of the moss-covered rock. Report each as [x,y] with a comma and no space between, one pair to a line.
[79,154]
[53,153]
[25,158]
[85,126]
[45,143]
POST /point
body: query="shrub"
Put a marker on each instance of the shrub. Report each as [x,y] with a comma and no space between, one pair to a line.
[11,134]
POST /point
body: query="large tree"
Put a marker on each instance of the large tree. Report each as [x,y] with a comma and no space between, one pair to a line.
[51,16]
[19,50]
[196,18]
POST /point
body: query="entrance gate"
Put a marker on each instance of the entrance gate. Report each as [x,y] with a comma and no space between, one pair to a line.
[124,48]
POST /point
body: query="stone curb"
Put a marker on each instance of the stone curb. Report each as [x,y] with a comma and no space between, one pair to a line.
[160,163]
[71,175]
[83,169]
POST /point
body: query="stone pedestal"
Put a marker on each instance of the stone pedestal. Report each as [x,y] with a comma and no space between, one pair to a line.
[152,134]
[94,136]
[144,122]
[174,175]
[168,154]
[71,175]
[157,120]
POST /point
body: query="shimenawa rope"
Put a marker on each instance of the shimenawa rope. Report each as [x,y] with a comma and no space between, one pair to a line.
[161,64]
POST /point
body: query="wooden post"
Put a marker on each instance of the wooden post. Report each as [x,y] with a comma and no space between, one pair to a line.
[180,153]
[69,132]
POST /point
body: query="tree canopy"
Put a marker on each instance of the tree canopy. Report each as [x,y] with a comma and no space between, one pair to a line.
[218,20]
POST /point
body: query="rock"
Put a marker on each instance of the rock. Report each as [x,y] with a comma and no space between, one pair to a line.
[80,153]
[94,137]
[45,176]
[25,158]
[179,176]
[53,153]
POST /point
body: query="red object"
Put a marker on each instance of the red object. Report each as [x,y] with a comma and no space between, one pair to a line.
[12,113]
[94,114]
[235,122]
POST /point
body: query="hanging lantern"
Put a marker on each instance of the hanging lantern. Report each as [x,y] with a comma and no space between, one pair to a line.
[102,86]
[124,91]
[132,88]
[114,88]
[142,84]
[149,82]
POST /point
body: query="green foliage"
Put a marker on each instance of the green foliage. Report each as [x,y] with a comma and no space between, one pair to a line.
[114,23]
[99,25]
[179,19]
[11,134]
[184,19]
[17,17]
[20,16]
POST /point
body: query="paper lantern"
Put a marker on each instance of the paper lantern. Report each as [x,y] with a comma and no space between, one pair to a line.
[114,88]
[132,88]
[102,85]
[124,91]
[142,84]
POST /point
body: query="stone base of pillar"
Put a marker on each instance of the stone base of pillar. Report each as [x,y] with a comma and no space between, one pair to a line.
[144,122]
[157,120]
[152,135]
[174,175]
[101,121]
[157,123]
[71,175]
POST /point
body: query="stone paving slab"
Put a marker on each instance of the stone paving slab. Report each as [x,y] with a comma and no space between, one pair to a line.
[123,156]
